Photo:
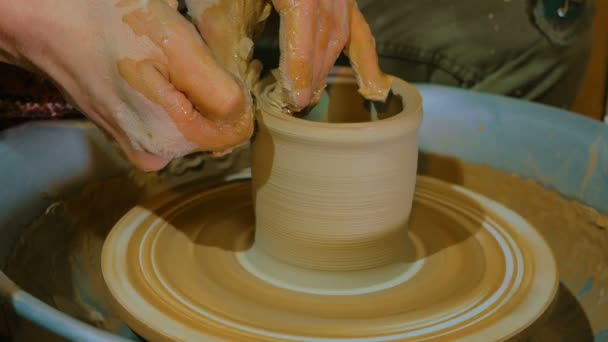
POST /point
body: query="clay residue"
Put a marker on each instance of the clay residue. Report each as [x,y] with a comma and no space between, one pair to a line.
[311,37]
[593,156]
[576,233]
[229,28]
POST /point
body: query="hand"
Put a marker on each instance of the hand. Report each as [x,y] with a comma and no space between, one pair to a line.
[229,28]
[138,69]
[311,37]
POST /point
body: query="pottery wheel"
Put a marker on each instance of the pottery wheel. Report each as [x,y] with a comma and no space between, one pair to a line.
[184,267]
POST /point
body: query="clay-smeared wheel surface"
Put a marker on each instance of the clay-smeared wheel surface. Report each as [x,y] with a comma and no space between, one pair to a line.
[184,267]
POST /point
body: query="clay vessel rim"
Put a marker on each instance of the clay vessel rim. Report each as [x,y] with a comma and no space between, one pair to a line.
[409,119]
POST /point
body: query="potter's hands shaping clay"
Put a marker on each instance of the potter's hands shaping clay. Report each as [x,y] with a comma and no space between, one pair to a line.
[311,37]
[137,68]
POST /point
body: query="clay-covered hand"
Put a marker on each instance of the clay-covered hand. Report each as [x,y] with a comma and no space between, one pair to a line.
[229,28]
[312,35]
[137,68]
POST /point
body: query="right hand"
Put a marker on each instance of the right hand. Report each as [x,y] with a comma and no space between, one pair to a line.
[311,37]
[138,69]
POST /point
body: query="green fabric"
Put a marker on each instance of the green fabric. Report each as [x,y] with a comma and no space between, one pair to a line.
[509,47]
[571,10]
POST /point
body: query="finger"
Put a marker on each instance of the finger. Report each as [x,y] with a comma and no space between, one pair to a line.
[361,50]
[296,43]
[208,135]
[191,67]
[336,43]
[229,39]
[145,161]
[214,24]
[323,33]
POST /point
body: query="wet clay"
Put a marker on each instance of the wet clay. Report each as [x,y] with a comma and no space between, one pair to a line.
[228,28]
[58,258]
[335,196]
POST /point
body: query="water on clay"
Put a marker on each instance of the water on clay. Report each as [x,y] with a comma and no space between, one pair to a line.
[57,259]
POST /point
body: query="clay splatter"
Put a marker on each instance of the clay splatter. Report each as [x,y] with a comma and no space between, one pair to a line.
[593,156]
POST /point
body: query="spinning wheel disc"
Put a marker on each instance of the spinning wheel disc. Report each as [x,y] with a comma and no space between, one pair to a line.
[185,267]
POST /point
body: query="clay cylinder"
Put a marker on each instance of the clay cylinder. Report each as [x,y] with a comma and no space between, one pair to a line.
[333,190]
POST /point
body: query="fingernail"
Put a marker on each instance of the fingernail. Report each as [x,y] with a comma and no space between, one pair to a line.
[300,99]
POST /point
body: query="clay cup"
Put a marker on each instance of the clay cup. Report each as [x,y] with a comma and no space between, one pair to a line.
[333,189]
